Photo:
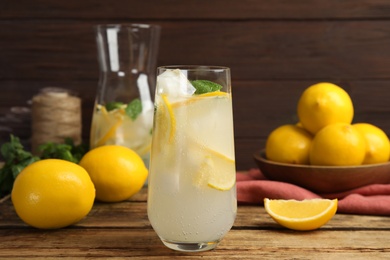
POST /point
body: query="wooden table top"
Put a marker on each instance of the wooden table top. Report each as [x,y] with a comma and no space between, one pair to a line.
[122,230]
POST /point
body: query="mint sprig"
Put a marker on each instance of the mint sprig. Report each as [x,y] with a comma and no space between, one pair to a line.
[16,158]
[113,105]
[134,109]
[205,86]
[67,151]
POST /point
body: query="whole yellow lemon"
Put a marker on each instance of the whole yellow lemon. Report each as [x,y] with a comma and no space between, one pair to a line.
[338,145]
[117,172]
[52,193]
[288,144]
[377,143]
[323,104]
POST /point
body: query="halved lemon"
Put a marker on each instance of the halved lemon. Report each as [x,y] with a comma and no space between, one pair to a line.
[301,214]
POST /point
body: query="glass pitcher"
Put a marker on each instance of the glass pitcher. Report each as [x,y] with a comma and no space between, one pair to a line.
[123,110]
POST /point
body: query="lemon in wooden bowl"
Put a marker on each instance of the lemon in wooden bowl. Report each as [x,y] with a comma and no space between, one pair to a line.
[324,179]
[289,144]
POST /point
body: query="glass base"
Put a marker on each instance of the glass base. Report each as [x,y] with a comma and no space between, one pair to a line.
[190,247]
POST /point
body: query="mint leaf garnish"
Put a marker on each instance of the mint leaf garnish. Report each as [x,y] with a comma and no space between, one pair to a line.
[205,86]
[134,108]
[113,105]
[16,159]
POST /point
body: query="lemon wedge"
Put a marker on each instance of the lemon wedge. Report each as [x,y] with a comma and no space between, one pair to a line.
[301,215]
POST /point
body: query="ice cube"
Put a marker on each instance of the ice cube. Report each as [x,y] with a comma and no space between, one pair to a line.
[174,83]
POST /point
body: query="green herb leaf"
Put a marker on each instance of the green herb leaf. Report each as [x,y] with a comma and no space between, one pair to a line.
[66,151]
[15,160]
[134,108]
[6,182]
[205,86]
[78,151]
[56,151]
[113,105]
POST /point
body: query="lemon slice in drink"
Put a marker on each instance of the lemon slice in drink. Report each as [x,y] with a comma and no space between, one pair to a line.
[200,97]
[171,117]
[214,94]
[220,179]
[109,122]
[216,171]
[209,121]
[301,215]
[166,128]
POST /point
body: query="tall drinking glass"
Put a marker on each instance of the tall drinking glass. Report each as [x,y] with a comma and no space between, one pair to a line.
[123,113]
[192,193]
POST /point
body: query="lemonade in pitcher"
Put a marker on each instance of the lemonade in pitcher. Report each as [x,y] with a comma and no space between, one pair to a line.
[128,125]
[123,111]
[192,193]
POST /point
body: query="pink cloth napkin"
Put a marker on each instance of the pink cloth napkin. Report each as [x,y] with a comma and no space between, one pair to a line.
[253,187]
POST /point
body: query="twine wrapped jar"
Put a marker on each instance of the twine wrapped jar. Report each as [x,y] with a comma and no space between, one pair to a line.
[56,115]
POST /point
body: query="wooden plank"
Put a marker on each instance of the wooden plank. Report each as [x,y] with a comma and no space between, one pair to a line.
[255,217]
[122,230]
[101,213]
[273,50]
[133,214]
[244,150]
[193,9]
[20,124]
[259,107]
[99,243]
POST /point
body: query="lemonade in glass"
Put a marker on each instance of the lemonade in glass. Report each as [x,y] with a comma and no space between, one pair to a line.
[192,192]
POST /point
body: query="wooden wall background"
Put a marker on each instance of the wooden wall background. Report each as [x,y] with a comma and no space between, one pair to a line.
[275,50]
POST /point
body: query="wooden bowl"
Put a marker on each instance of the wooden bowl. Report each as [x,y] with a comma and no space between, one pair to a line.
[324,179]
